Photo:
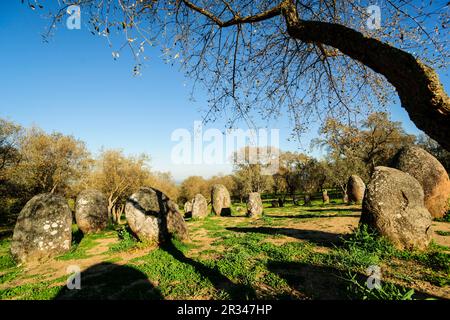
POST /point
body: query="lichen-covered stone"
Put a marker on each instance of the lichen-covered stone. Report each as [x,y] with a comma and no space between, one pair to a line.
[254,205]
[188,207]
[153,217]
[91,211]
[43,229]
[221,201]
[355,189]
[394,207]
[199,207]
[430,173]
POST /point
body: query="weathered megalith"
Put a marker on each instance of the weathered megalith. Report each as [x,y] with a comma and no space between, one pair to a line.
[153,217]
[188,207]
[393,206]
[199,207]
[325,197]
[221,201]
[91,211]
[355,189]
[254,205]
[43,229]
[430,173]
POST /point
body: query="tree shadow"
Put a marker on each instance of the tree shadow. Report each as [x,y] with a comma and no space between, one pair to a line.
[322,238]
[108,281]
[226,212]
[333,209]
[219,281]
[77,236]
[324,283]
[315,282]
[308,216]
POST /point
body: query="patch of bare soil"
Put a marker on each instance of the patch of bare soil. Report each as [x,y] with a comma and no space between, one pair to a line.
[415,274]
[53,269]
[441,226]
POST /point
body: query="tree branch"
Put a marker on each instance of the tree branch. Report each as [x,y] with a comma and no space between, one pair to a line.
[268,14]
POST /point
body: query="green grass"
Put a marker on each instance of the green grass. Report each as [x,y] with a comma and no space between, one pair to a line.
[6,260]
[443,233]
[126,241]
[387,291]
[82,244]
[175,278]
[8,268]
[361,250]
[249,264]
[44,290]
[446,218]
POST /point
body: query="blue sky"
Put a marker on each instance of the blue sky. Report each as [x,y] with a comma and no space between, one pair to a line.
[73,85]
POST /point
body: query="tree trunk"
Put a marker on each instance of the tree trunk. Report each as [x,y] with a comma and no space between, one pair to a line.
[418,86]
[117,212]
[111,205]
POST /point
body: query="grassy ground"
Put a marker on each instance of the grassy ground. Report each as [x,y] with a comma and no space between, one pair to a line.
[292,253]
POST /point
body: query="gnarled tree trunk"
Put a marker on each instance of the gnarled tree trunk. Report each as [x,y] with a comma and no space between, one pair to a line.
[418,86]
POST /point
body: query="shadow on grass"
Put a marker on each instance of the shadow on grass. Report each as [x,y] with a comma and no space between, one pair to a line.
[219,281]
[333,209]
[108,281]
[6,233]
[328,283]
[326,239]
[77,236]
[309,216]
[315,282]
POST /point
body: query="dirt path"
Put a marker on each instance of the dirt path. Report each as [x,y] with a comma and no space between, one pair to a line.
[54,269]
[440,239]
[321,231]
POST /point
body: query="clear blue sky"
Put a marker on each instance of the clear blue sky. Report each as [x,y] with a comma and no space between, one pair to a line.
[74,86]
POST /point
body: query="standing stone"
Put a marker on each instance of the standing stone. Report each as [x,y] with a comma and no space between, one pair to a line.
[91,211]
[43,229]
[254,205]
[188,207]
[394,207]
[153,217]
[355,189]
[221,201]
[430,173]
[307,200]
[325,197]
[199,207]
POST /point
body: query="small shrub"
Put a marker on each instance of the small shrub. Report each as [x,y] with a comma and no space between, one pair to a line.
[438,261]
